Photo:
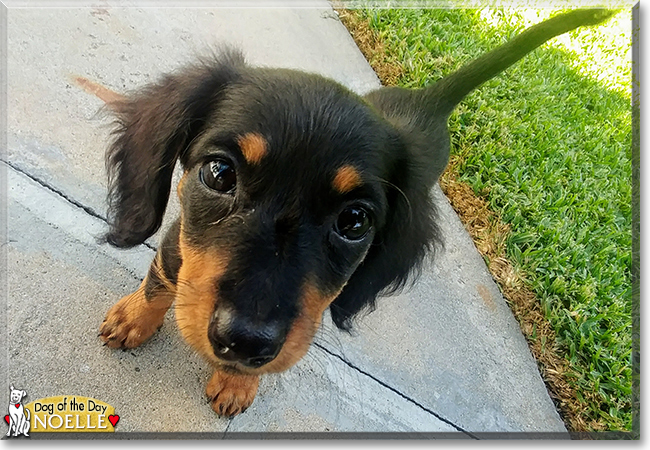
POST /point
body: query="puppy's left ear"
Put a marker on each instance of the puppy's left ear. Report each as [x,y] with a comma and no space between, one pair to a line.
[154,129]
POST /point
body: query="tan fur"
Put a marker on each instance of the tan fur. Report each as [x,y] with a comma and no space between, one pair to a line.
[254,147]
[196,295]
[134,319]
[231,394]
[346,179]
[313,305]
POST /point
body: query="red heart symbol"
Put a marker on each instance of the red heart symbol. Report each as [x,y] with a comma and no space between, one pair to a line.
[17,405]
[7,419]
[113,419]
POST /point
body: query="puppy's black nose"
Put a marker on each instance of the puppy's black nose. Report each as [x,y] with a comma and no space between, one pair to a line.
[238,339]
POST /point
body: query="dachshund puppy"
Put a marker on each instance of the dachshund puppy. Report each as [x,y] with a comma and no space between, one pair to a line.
[297,196]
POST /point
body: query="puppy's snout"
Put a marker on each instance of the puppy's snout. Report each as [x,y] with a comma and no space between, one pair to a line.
[239,339]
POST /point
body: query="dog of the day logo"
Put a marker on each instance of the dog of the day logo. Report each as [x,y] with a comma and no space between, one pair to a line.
[64,413]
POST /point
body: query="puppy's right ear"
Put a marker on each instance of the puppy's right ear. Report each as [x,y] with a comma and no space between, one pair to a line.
[154,129]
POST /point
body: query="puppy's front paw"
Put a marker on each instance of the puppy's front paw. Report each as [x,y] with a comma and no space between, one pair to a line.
[133,320]
[229,394]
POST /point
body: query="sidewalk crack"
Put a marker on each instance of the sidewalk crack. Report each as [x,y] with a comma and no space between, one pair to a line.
[405,397]
[90,211]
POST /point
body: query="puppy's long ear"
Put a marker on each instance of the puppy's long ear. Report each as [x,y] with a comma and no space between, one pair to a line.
[154,128]
[420,117]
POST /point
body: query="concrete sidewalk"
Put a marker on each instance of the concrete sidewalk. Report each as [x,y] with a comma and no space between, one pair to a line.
[445,356]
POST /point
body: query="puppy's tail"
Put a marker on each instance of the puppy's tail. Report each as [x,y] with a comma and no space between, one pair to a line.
[111,98]
[450,90]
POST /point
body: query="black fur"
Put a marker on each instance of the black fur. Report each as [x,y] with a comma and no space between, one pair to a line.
[279,225]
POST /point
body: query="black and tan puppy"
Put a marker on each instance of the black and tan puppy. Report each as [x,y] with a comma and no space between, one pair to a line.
[297,196]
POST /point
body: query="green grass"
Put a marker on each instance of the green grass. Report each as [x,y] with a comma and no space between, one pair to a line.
[548,144]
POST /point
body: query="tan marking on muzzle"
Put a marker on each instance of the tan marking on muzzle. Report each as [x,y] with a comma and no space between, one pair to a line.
[346,179]
[301,334]
[196,295]
[253,146]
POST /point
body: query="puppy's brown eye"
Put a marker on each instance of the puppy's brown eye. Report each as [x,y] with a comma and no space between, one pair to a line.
[218,175]
[353,223]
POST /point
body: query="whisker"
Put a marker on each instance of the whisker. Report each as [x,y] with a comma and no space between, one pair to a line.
[229,217]
[401,192]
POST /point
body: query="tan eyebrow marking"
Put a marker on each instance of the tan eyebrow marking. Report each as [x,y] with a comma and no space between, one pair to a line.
[346,179]
[253,146]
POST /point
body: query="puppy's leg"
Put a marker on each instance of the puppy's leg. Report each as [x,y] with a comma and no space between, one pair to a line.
[136,317]
[231,394]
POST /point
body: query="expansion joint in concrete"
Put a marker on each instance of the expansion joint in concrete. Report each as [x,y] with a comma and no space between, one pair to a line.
[387,386]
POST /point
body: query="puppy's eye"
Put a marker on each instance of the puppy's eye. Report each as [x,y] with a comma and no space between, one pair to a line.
[353,223]
[218,175]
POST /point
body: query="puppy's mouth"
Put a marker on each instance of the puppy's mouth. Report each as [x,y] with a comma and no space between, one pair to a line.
[237,368]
